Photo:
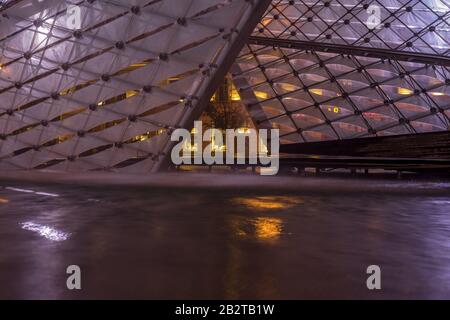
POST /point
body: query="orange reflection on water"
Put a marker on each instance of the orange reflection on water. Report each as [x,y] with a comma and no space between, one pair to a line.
[268,202]
[268,228]
[262,228]
[3,200]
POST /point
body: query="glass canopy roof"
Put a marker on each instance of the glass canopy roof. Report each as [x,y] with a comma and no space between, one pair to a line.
[99,85]
[315,94]
[410,25]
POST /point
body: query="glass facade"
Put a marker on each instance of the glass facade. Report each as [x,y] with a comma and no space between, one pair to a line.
[99,85]
[305,85]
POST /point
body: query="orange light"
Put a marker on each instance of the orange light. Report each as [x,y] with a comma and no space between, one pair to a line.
[268,202]
[266,21]
[268,228]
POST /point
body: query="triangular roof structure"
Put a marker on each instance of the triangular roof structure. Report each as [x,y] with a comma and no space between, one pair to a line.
[100,85]
[330,70]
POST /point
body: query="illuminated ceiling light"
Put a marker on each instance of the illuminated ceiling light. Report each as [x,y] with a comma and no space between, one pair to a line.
[266,21]
[43,31]
[131,93]
[288,87]
[334,109]
[261,94]
[318,92]
[437,94]
[243,130]
[235,95]
[404,91]
[190,147]
[171,80]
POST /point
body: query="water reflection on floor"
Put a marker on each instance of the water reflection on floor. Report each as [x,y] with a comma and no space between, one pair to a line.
[149,242]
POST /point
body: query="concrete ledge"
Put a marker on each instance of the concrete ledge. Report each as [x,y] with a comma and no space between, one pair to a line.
[188,180]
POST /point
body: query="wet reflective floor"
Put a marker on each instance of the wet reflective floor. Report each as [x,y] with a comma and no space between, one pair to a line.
[225,243]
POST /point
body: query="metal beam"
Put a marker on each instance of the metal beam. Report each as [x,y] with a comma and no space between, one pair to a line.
[352,50]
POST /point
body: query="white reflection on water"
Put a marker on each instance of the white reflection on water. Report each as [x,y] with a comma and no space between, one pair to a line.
[32,191]
[441,202]
[45,231]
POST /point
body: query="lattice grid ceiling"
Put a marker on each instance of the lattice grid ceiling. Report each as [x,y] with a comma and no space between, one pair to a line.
[315,95]
[105,95]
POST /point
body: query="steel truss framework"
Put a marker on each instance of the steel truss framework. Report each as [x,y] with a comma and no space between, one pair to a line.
[318,71]
[107,93]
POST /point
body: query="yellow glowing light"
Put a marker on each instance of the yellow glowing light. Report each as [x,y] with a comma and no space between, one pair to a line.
[243,130]
[3,200]
[131,93]
[261,94]
[190,147]
[172,80]
[268,202]
[334,109]
[138,65]
[142,137]
[318,92]
[436,94]
[404,91]
[268,228]
[266,21]
[288,87]
[235,95]
[215,147]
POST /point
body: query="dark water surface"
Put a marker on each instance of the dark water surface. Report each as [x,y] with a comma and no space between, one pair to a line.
[161,242]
